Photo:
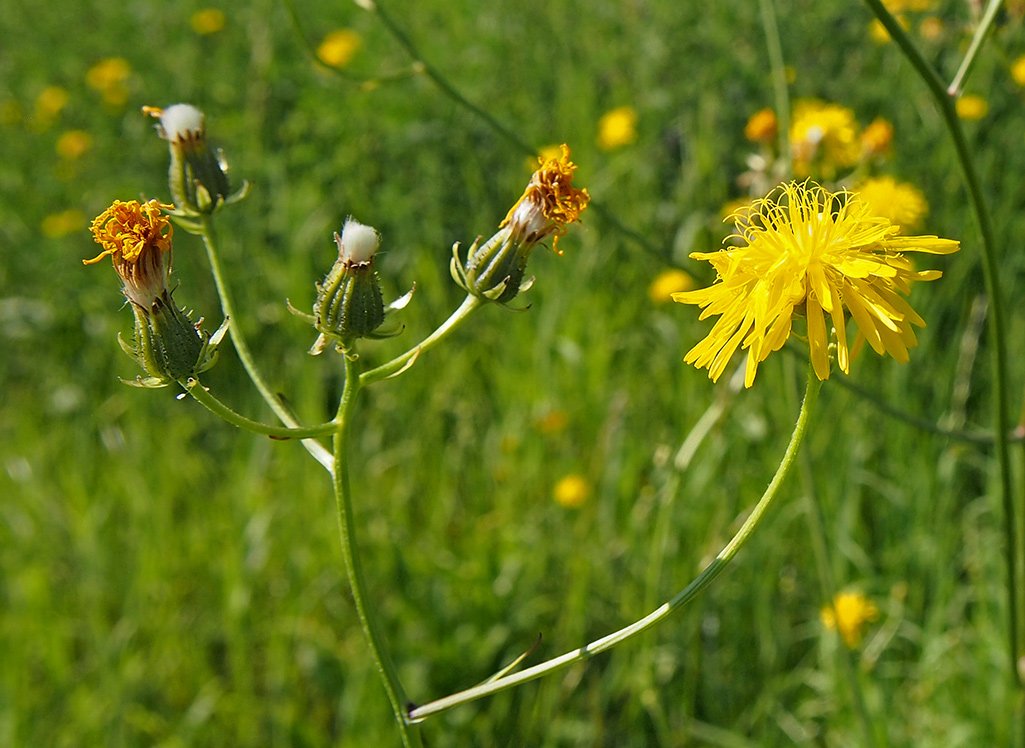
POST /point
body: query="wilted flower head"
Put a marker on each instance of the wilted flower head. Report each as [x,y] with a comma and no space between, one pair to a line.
[137,237]
[167,345]
[807,251]
[849,614]
[549,204]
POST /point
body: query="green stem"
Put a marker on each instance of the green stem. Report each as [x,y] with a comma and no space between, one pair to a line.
[995,320]
[981,32]
[210,401]
[688,593]
[779,79]
[316,449]
[402,362]
[351,557]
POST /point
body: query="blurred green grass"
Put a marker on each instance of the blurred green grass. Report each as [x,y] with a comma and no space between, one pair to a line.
[166,580]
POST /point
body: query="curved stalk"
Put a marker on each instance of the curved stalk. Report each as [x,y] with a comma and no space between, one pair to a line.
[212,403]
[995,319]
[402,362]
[315,448]
[353,567]
[688,593]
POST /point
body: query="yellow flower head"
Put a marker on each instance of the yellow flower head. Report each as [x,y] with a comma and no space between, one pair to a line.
[207,21]
[824,137]
[877,137]
[549,203]
[898,202]
[617,127]
[849,613]
[1018,70]
[972,107]
[805,250]
[339,47]
[572,491]
[136,236]
[110,77]
[667,283]
[761,127]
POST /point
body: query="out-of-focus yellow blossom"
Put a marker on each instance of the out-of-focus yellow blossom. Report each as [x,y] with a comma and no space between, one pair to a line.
[972,107]
[572,491]
[667,283]
[850,613]
[207,21]
[49,104]
[809,253]
[900,203]
[617,127]
[877,138]
[931,28]
[65,222]
[824,138]
[73,144]
[553,422]
[339,47]
[1018,71]
[732,208]
[761,127]
[109,78]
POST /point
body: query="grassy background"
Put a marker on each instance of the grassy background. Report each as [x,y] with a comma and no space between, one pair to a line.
[168,581]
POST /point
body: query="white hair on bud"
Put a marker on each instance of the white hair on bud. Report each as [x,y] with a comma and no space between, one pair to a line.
[182,122]
[358,243]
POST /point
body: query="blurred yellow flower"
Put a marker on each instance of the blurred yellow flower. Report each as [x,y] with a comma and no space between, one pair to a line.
[931,28]
[1018,70]
[732,208]
[824,138]
[849,613]
[667,283]
[553,422]
[339,47]
[812,254]
[877,138]
[109,78]
[66,222]
[572,491]
[899,203]
[73,144]
[49,103]
[545,153]
[878,32]
[761,127]
[617,127]
[913,6]
[207,21]
[972,107]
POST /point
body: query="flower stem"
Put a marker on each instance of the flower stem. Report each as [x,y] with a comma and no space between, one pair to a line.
[981,32]
[688,593]
[995,322]
[212,403]
[316,449]
[402,362]
[351,557]
[779,78]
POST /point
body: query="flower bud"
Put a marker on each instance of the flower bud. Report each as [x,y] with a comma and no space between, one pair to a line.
[198,175]
[166,344]
[494,270]
[349,303]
